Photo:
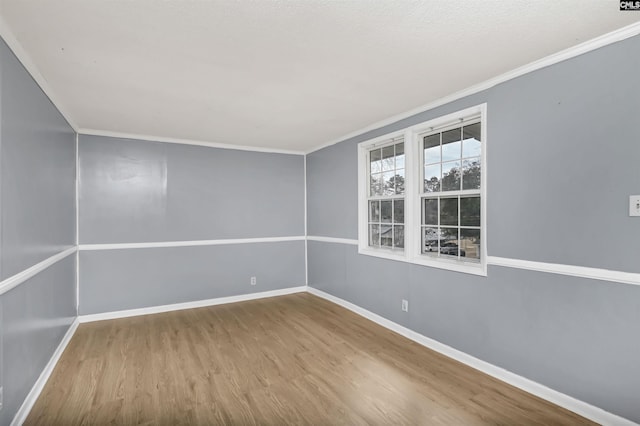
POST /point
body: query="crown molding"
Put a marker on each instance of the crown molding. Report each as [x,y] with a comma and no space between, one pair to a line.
[25,59]
[151,138]
[571,52]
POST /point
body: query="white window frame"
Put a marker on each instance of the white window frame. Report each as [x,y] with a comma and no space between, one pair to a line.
[413,194]
[363,196]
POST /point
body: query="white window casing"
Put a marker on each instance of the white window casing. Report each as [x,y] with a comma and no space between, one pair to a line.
[453,257]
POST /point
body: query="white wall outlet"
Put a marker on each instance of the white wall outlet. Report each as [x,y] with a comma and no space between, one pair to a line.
[405,305]
[254,281]
[634,205]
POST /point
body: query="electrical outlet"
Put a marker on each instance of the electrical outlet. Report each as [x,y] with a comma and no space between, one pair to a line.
[634,205]
[254,281]
[405,305]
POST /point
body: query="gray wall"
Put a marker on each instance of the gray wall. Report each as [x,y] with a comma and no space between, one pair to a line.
[140,191]
[563,149]
[37,163]
[134,191]
[128,279]
[36,316]
[37,217]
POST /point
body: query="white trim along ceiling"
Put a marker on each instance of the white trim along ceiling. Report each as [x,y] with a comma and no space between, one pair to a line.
[285,76]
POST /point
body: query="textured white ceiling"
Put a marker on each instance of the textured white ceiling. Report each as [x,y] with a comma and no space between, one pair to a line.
[288,75]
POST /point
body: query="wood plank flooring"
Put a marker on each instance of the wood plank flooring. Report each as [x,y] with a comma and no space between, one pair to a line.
[294,359]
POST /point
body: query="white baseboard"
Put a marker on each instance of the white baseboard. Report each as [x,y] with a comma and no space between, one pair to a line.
[582,408]
[33,395]
[188,305]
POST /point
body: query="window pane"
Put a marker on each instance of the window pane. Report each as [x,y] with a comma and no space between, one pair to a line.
[374,235]
[374,211]
[389,183]
[386,235]
[388,158]
[470,211]
[398,211]
[432,149]
[449,242]
[398,181]
[386,211]
[432,178]
[471,145]
[400,156]
[375,158]
[430,213]
[376,184]
[450,248]
[451,176]
[448,211]
[398,236]
[452,144]
[470,244]
[430,238]
[471,170]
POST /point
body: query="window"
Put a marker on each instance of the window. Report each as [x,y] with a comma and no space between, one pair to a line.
[421,193]
[450,199]
[386,195]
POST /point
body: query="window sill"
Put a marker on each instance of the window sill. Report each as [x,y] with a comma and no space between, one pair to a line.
[479,269]
[397,255]
[453,265]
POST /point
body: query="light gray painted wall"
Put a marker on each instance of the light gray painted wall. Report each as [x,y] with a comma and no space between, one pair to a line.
[140,191]
[126,279]
[332,211]
[37,191]
[563,148]
[37,163]
[570,126]
[35,316]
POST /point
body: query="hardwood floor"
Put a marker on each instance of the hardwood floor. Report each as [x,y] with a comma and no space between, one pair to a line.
[294,359]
